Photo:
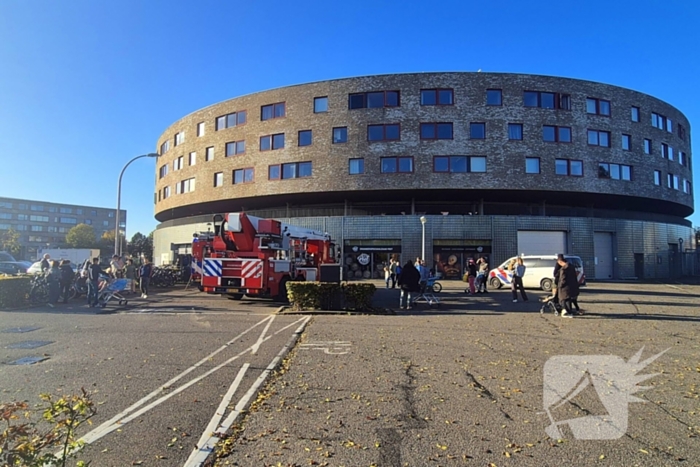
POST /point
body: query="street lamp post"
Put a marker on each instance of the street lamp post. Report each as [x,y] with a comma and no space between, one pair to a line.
[423,220]
[117,242]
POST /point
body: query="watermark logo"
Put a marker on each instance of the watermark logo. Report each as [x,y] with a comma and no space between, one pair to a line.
[614,380]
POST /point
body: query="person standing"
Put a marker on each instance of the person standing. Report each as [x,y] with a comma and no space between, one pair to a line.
[67,277]
[45,264]
[130,275]
[53,278]
[93,282]
[409,282]
[393,265]
[568,289]
[517,281]
[471,276]
[145,273]
[387,275]
[115,267]
[482,275]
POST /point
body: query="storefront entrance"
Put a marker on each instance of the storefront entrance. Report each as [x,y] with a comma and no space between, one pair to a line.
[451,256]
[365,259]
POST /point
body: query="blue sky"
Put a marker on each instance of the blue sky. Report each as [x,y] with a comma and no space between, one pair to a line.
[86,85]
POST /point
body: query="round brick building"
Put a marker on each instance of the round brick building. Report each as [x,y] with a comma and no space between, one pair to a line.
[499,165]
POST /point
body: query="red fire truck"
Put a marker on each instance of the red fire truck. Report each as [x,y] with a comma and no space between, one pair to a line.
[247,255]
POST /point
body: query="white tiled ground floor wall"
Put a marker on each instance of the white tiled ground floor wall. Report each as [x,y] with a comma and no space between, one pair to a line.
[609,248]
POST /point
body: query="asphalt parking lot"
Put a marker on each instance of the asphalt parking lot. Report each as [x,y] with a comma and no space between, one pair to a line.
[462,384]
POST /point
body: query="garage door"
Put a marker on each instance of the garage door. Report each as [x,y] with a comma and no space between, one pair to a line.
[539,242]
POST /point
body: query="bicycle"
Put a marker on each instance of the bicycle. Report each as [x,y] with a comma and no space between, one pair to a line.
[434,285]
[38,290]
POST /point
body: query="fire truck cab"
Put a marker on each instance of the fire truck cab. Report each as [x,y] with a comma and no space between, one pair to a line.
[251,256]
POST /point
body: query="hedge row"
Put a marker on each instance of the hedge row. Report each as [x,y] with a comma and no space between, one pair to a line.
[14,291]
[329,296]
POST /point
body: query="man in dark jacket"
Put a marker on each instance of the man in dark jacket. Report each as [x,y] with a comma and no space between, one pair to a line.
[67,276]
[93,282]
[409,281]
[568,286]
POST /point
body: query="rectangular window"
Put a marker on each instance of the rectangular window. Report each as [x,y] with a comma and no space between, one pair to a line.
[320,104]
[201,126]
[5,215]
[599,138]
[209,154]
[573,168]
[675,182]
[436,131]
[626,142]
[22,217]
[494,97]
[185,186]
[163,171]
[532,165]
[179,163]
[272,142]
[35,207]
[193,158]
[291,170]
[459,164]
[546,100]
[664,150]
[436,97]
[165,147]
[356,166]
[388,132]
[647,146]
[657,177]
[598,106]
[37,228]
[556,134]
[305,138]
[340,135]
[68,220]
[477,130]
[231,120]
[371,100]
[659,121]
[268,112]
[681,132]
[179,138]
[669,125]
[218,179]
[682,159]
[515,131]
[166,192]
[634,114]
[401,164]
[5,204]
[246,175]
[614,171]
[234,148]
[66,211]
[687,188]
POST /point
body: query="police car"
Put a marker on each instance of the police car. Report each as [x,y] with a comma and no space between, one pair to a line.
[539,272]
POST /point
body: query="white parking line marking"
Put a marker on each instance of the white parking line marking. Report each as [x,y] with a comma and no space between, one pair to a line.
[262,334]
[205,446]
[328,347]
[243,403]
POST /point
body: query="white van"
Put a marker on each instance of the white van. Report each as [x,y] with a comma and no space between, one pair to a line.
[539,272]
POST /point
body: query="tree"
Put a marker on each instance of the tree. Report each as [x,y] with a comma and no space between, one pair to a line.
[81,236]
[141,245]
[9,241]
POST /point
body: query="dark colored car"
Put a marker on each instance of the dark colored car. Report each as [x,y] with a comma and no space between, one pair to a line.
[12,267]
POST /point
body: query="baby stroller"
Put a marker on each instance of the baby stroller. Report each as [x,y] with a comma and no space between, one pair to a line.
[427,293]
[113,290]
[550,304]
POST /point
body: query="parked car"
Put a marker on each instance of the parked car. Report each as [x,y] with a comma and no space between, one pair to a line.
[35,268]
[538,272]
[12,267]
[5,256]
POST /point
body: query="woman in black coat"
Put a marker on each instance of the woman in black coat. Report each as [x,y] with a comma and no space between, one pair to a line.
[568,289]
[409,281]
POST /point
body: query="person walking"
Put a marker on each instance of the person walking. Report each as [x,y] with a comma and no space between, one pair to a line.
[145,273]
[387,275]
[94,271]
[568,288]
[409,282]
[518,269]
[66,279]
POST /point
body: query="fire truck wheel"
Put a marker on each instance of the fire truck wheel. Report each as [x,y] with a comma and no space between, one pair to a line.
[234,296]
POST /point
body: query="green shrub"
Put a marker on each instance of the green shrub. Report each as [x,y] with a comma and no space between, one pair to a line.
[14,291]
[330,296]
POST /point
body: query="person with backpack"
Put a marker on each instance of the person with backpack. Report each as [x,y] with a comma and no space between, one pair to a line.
[145,273]
[409,282]
[66,279]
